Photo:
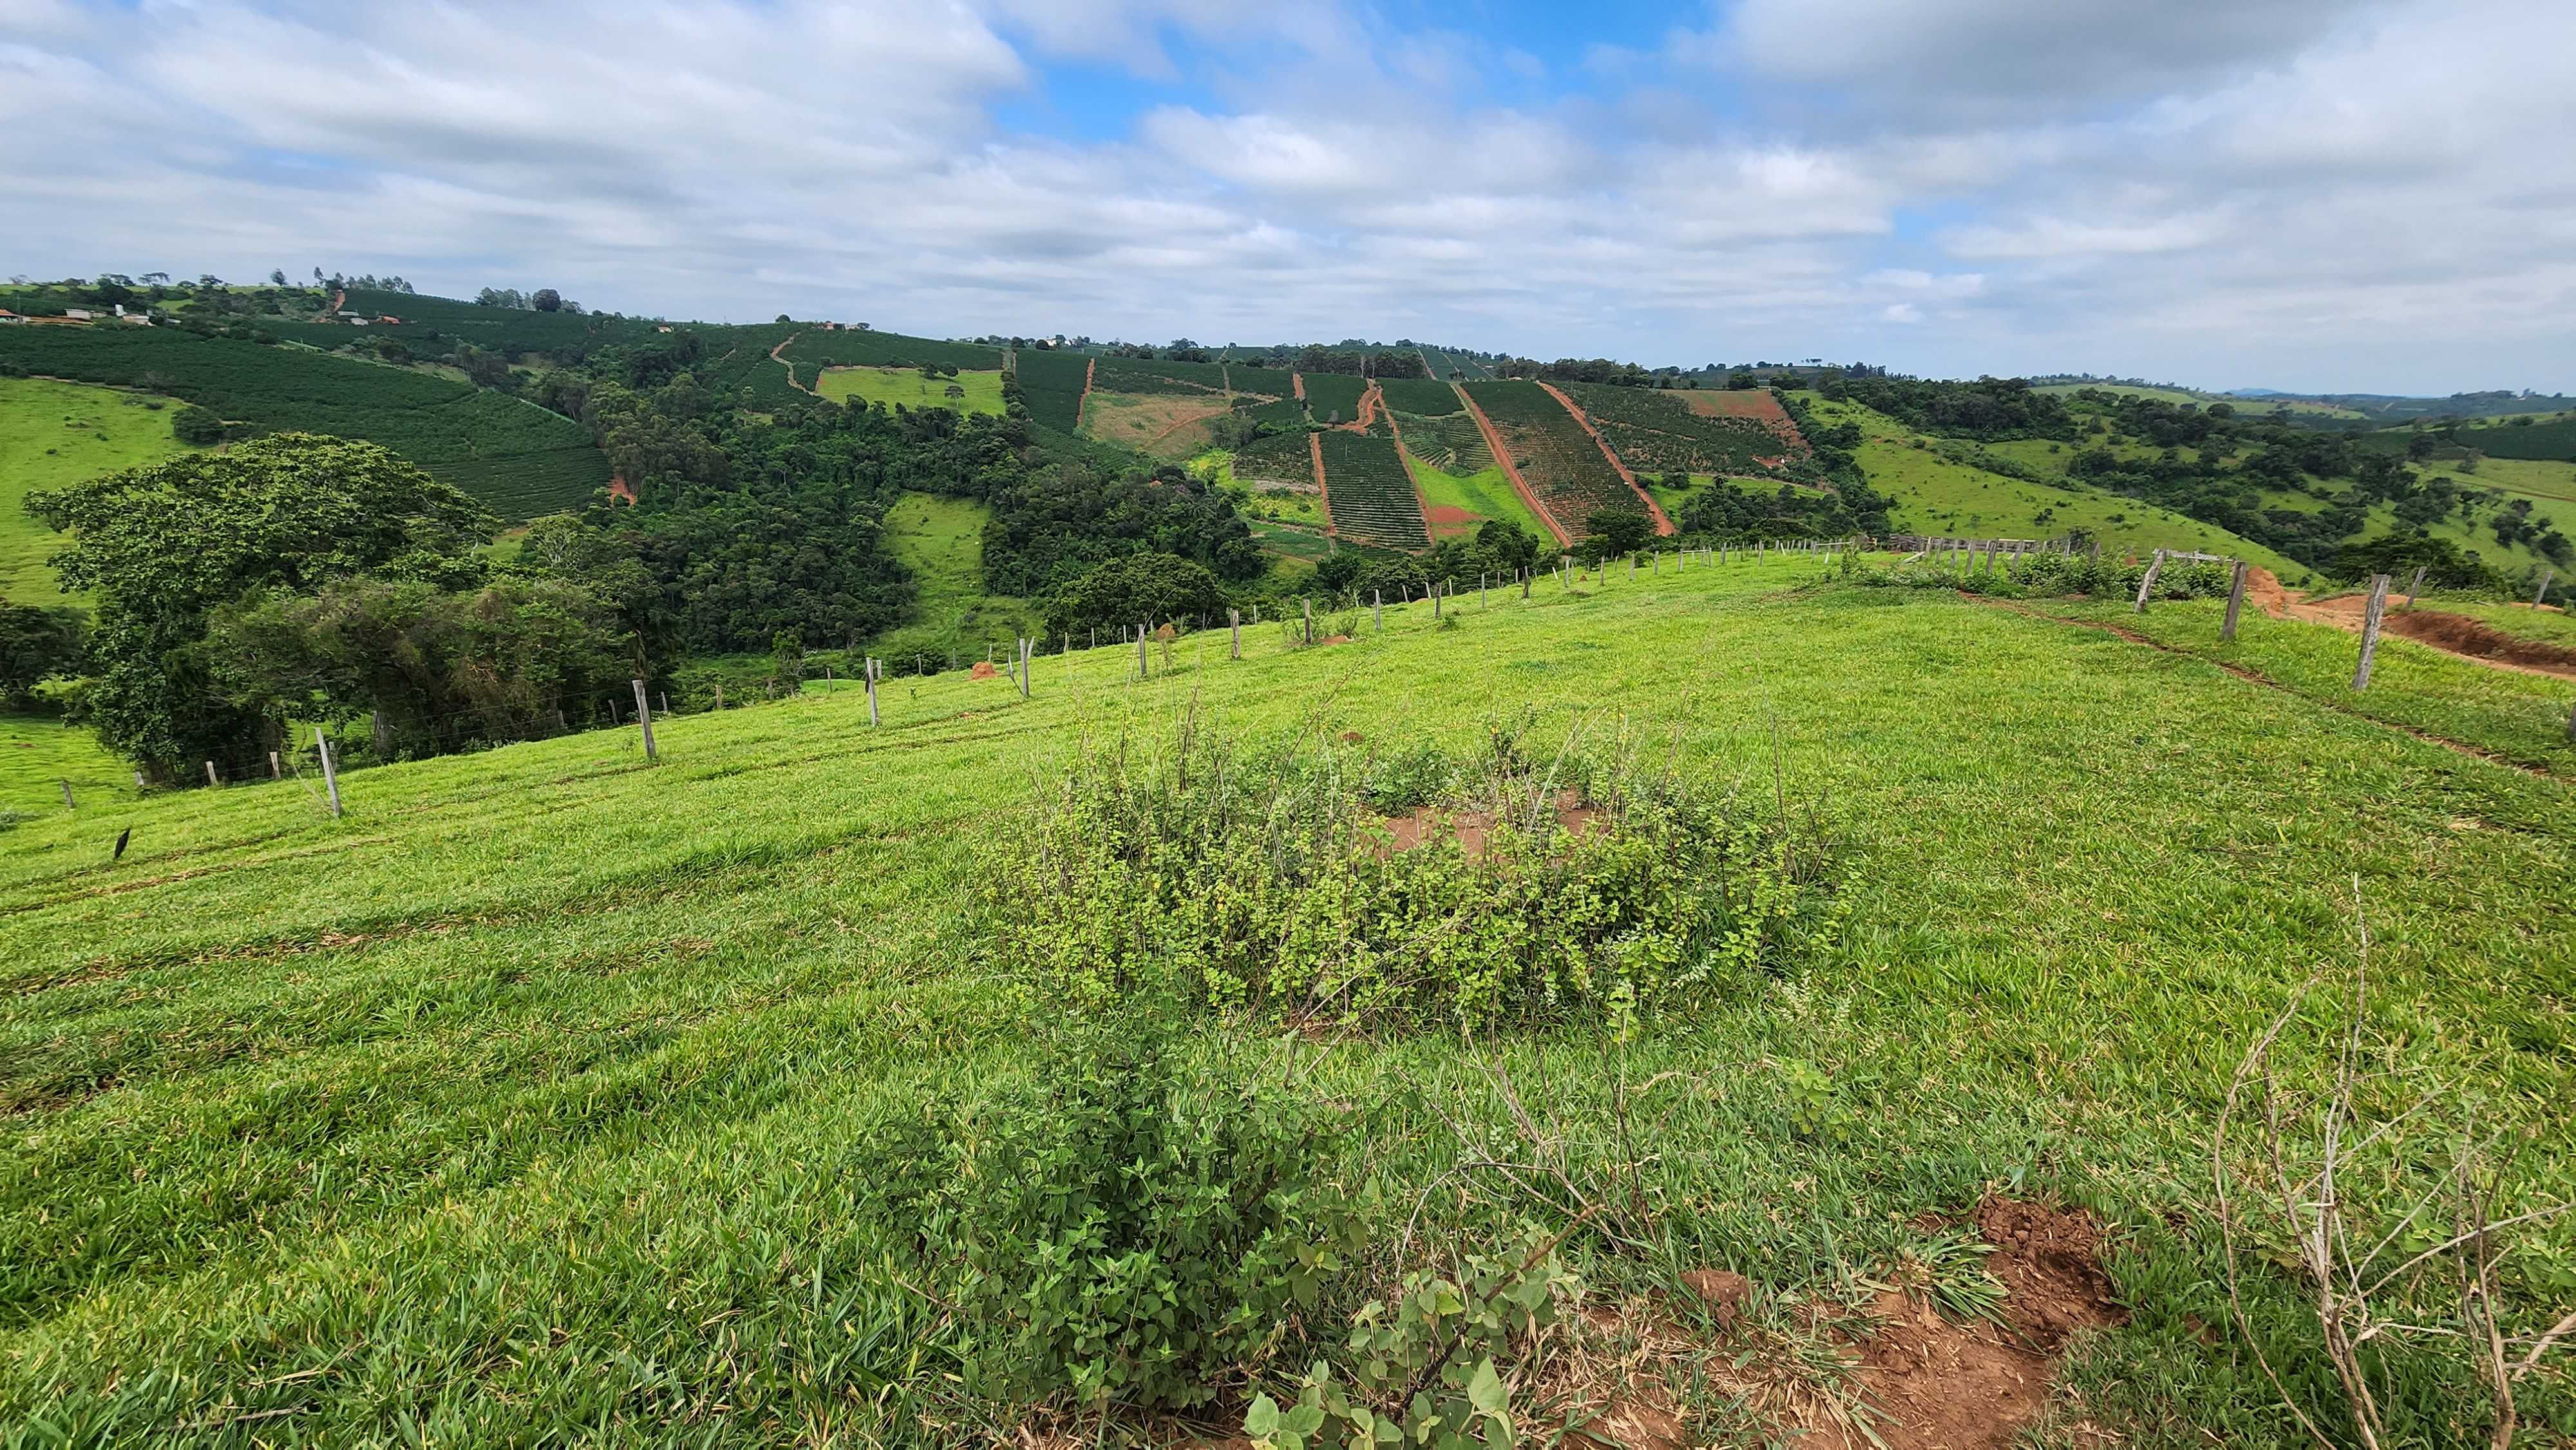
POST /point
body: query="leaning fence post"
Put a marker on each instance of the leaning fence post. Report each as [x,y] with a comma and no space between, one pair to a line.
[1234,628]
[1377,610]
[330,772]
[1142,670]
[2235,602]
[210,774]
[1310,618]
[2415,585]
[644,718]
[2541,593]
[2370,630]
[68,803]
[2147,585]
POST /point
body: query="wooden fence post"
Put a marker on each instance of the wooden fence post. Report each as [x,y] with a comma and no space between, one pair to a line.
[68,803]
[1525,578]
[719,697]
[210,774]
[275,770]
[1434,591]
[1024,667]
[330,772]
[2415,586]
[1310,617]
[2147,585]
[1143,669]
[2370,630]
[2235,602]
[872,693]
[1377,610]
[644,718]
[2541,593]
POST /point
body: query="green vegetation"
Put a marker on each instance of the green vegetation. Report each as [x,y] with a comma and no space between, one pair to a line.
[694,1104]
[53,434]
[1261,499]
[1421,397]
[516,458]
[1051,382]
[39,752]
[1150,376]
[816,348]
[1654,431]
[940,544]
[1334,398]
[1369,493]
[1482,495]
[976,392]
[1557,459]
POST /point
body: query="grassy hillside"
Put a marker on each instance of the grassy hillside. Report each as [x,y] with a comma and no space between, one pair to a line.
[906,386]
[38,753]
[550,1096]
[1936,495]
[941,540]
[52,434]
[519,459]
[1456,503]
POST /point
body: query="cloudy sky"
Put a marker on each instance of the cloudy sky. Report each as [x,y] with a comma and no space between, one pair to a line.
[2303,194]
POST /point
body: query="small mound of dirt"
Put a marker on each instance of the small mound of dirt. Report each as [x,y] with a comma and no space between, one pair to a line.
[984,671]
[1949,1386]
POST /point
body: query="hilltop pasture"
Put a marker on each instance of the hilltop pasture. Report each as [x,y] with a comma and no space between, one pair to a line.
[55,433]
[553,1095]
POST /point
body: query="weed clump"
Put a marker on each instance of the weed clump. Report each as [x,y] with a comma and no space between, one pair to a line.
[1328,881]
[2042,576]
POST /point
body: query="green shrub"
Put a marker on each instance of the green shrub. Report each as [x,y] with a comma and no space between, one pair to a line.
[1272,880]
[2051,575]
[1107,1230]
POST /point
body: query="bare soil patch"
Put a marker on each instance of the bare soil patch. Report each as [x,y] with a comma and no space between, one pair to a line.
[1429,825]
[1156,423]
[1451,514]
[2454,634]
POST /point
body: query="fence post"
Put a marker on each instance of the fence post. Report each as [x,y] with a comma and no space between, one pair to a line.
[2370,630]
[2235,602]
[1142,670]
[1309,605]
[644,718]
[2415,585]
[2147,585]
[139,786]
[68,803]
[719,697]
[872,693]
[330,772]
[1377,610]
[1028,648]
[1434,592]
[210,774]
[2541,593]
[275,770]
[1234,628]
[1525,578]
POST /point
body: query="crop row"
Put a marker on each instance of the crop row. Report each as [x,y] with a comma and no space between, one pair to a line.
[1148,375]
[519,459]
[814,350]
[1279,458]
[1656,432]
[1557,459]
[1051,385]
[1452,444]
[1333,397]
[1420,396]
[1445,365]
[1369,492]
[1285,413]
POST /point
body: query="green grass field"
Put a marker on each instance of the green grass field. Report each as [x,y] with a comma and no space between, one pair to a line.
[941,540]
[1301,507]
[537,1099]
[39,752]
[2549,626]
[1937,496]
[52,434]
[982,390]
[1486,494]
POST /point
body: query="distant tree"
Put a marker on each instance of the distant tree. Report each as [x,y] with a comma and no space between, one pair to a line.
[1619,530]
[161,548]
[1508,543]
[1336,572]
[1138,589]
[546,299]
[277,276]
[38,643]
[782,318]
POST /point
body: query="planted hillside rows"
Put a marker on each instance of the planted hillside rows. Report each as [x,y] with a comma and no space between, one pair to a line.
[815,349]
[1334,398]
[519,459]
[1556,458]
[1370,494]
[1147,375]
[1656,432]
[1421,397]
[1051,385]
[1278,458]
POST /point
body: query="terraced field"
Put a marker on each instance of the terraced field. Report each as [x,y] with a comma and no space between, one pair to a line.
[1279,458]
[815,349]
[1555,456]
[1150,376]
[1423,397]
[1446,366]
[1370,494]
[1655,431]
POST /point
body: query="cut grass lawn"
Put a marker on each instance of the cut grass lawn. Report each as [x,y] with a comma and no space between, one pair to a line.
[52,434]
[526,1103]
[982,390]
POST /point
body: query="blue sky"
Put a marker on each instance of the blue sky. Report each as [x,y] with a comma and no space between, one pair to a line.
[2312,194]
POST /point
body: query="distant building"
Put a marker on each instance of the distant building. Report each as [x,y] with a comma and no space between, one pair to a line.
[666,327]
[390,321]
[355,321]
[78,314]
[135,319]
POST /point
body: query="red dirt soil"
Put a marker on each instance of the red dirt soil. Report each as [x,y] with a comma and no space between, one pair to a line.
[1758,406]
[1297,385]
[791,367]
[1663,526]
[2453,634]
[1503,456]
[1951,1386]
[1089,369]
[1431,824]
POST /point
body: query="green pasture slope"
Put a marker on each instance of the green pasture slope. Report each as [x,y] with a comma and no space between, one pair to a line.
[536,1100]
[52,434]
[516,457]
[907,387]
[941,540]
[38,753]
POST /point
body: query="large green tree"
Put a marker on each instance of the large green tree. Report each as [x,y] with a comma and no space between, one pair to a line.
[161,548]
[37,644]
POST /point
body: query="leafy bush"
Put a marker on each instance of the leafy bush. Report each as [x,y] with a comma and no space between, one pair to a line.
[2043,575]
[1107,1230]
[1267,880]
